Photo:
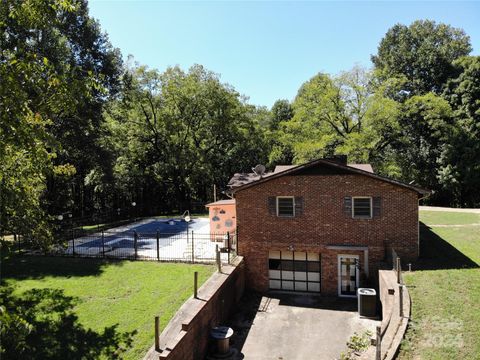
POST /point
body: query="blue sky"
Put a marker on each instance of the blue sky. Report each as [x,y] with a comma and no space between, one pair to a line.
[266,50]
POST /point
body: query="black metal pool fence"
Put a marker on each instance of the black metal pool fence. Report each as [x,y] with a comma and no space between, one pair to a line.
[186,246]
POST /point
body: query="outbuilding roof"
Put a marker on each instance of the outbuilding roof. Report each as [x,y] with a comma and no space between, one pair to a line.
[241,181]
[222,202]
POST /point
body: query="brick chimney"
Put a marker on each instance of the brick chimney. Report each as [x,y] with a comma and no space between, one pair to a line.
[341,159]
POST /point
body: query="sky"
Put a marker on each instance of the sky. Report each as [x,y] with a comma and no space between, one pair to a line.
[267,50]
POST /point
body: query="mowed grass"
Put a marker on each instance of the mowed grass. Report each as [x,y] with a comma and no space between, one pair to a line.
[445,290]
[448,218]
[126,293]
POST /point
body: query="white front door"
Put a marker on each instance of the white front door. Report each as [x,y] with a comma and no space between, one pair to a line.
[347,275]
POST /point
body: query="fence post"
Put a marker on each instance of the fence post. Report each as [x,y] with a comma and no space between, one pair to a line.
[157,333]
[73,242]
[103,244]
[399,271]
[195,284]
[378,352]
[16,241]
[193,249]
[158,246]
[135,239]
[228,247]
[400,302]
[219,264]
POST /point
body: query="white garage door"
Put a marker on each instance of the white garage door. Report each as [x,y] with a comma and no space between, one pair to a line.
[294,271]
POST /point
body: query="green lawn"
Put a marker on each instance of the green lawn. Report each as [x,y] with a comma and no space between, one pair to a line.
[105,293]
[445,290]
[448,218]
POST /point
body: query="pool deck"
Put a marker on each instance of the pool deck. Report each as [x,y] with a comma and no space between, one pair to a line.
[176,245]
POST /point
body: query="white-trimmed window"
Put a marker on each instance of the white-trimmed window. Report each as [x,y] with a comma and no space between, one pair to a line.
[286,206]
[362,207]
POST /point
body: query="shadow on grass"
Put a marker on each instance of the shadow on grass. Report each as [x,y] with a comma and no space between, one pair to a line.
[15,266]
[436,253]
[41,324]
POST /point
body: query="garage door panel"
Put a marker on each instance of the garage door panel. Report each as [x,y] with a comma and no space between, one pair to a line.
[300,266]
[274,274]
[275,284]
[313,266]
[274,254]
[300,276]
[294,271]
[300,255]
[300,286]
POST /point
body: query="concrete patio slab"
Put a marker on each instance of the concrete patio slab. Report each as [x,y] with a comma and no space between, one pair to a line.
[289,327]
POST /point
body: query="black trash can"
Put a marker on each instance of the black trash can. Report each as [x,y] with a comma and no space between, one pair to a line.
[367,302]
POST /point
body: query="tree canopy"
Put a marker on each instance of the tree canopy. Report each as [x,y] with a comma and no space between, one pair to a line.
[420,55]
[84,133]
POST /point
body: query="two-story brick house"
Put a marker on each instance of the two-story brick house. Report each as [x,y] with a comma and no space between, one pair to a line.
[322,226]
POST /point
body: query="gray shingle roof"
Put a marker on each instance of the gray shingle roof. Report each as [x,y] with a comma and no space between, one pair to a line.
[240,181]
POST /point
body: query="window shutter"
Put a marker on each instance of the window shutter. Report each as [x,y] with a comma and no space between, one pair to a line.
[272,205]
[347,206]
[377,206]
[298,206]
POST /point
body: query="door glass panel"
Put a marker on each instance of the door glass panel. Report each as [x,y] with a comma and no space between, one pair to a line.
[300,275]
[287,285]
[287,275]
[274,254]
[287,265]
[313,266]
[274,274]
[300,286]
[275,284]
[314,287]
[313,257]
[313,277]
[274,264]
[287,255]
[300,265]
[300,255]
[348,276]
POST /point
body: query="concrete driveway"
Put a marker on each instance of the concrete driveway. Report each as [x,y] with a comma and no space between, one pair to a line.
[289,327]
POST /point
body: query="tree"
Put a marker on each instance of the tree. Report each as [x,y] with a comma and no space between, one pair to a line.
[280,151]
[281,111]
[341,114]
[57,69]
[425,121]
[177,133]
[459,172]
[420,56]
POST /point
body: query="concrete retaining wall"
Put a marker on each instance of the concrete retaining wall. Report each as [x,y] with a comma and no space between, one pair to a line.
[187,335]
[393,325]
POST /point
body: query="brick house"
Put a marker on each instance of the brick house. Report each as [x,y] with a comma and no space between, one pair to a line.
[322,227]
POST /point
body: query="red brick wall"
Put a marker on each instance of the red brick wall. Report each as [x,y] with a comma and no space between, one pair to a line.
[323,223]
[187,336]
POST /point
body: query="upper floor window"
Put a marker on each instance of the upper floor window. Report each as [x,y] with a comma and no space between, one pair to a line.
[362,207]
[285,206]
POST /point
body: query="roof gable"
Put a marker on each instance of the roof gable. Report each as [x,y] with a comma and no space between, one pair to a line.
[240,182]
